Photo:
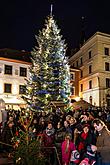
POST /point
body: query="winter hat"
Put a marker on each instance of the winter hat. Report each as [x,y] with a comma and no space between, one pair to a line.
[86,125]
[75,156]
[50,132]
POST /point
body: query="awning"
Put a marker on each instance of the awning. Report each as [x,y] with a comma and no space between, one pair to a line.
[13,100]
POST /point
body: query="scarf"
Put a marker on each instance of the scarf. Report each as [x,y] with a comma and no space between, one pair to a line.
[50,132]
[82,144]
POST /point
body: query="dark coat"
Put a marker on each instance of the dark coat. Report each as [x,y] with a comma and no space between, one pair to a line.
[59,135]
[82,143]
[7,135]
[103,145]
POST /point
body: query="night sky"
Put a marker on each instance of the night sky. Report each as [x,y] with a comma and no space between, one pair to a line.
[20,20]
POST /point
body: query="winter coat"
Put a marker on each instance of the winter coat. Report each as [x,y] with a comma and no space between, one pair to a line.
[103,145]
[59,135]
[66,154]
[7,135]
[48,139]
[83,140]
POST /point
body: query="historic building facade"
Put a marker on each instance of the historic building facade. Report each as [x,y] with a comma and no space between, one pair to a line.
[93,60]
[14,70]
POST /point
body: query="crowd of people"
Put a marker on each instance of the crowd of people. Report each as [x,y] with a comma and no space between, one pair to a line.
[81,137]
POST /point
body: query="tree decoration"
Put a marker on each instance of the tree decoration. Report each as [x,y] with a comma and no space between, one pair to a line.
[49,73]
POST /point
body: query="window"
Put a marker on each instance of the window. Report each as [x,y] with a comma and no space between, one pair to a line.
[107,83]
[90,69]
[106,51]
[81,74]
[8,69]
[76,63]
[81,60]
[90,84]
[72,76]
[73,65]
[22,89]
[106,66]
[23,71]
[81,87]
[7,88]
[90,99]
[72,90]
[90,54]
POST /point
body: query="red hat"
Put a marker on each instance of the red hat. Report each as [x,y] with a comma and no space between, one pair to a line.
[86,125]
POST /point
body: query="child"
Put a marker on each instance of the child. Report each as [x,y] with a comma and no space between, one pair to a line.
[67,147]
[90,156]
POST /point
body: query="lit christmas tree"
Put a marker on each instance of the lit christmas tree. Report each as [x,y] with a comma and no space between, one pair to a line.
[49,74]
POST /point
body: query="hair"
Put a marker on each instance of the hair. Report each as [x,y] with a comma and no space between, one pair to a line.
[73,119]
[98,121]
[68,134]
[87,114]
[10,122]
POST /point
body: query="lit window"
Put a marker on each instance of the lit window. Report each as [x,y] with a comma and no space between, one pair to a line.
[23,71]
[8,69]
[7,88]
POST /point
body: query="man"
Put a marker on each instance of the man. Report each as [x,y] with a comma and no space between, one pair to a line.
[48,140]
[103,141]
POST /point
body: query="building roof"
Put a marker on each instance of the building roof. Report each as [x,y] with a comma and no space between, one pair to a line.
[15,54]
[97,33]
[74,51]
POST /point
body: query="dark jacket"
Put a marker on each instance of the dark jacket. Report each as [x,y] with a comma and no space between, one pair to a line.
[103,145]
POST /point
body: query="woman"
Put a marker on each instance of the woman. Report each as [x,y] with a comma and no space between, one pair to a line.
[59,133]
[67,147]
[83,140]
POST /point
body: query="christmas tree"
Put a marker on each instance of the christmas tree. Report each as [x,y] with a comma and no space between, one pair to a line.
[49,74]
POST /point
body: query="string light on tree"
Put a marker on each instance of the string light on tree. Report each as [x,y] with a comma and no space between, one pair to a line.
[50,82]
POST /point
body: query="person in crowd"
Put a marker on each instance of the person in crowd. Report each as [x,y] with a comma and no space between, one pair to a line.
[68,117]
[67,127]
[73,124]
[59,137]
[7,137]
[85,118]
[90,155]
[32,134]
[48,141]
[59,133]
[10,118]
[103,141]
[35,127]
[42,126]
[67,147]
[83,140]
